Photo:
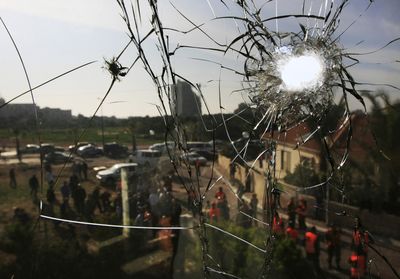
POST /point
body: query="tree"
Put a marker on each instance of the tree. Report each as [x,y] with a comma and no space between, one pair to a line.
[383,167]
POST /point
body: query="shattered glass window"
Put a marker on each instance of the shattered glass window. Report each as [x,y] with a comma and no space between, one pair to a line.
[215,139]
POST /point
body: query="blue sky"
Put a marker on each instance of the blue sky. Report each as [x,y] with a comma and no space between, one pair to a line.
[56,35]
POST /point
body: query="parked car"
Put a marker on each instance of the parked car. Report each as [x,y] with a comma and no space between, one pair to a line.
[162,147]
[199,145]
[146,157]
[115,150]
[89,151]
[58,157]
[210,156]
[31,149]
[59,148]
[192,157]
[112,175]
[219,144]
[46,148]
[74,148]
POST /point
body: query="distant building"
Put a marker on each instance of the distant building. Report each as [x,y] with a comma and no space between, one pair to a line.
[24,114]
[55,114]
[16,111]
[185,102]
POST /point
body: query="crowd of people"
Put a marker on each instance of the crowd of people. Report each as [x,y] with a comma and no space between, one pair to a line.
[154,205]
[296,229]
[332,237]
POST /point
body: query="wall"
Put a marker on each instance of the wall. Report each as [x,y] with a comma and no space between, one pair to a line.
[380,224]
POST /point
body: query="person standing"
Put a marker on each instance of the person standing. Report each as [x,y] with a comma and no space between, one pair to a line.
[105,201]
[301,211]
[13,180]
[51,197]
[334,245]
[312,247]
[80,199]
[277,224]
[214,213]
[198,168]
[243,218]
[359,247]
[49,177]
[291,209]
[292,233]
[65,191]
[34,186]
[232,170]
[222,204]
[84,168]
[220,195]
[240,193]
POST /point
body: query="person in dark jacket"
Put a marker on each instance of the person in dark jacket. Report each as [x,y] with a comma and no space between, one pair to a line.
[34,186]
[13,180]
[80,197]
[333,242]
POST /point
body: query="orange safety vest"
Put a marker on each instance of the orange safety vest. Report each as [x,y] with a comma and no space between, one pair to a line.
[292,233]
[311,241]
[220,196]
[277,225]
[357,265]
[165,235]
[361,239]
[214,214]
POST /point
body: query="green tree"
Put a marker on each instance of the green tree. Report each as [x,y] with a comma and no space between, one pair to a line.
[382,169]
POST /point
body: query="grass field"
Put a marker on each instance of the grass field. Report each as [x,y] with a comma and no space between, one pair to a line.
[66,137]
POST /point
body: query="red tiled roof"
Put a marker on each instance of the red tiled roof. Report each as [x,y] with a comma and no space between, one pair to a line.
[361,142]
[296,136]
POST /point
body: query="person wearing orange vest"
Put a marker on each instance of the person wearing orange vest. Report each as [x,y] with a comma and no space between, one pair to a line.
[214,213]
[220,195]
[311,241]
[333,242]
[359,248]
[353,261]
[277,224]
[291,232]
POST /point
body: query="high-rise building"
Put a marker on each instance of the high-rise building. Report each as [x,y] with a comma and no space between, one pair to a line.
[185,102]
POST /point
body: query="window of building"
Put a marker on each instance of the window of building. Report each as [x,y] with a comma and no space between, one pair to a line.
[285,160]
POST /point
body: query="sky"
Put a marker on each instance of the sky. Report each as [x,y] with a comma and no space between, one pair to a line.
[54,36]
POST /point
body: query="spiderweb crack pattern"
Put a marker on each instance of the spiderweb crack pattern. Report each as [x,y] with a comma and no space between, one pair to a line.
[274,110]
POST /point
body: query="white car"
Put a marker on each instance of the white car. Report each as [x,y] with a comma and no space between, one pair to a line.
[146,157]
[162,147]
[112,175]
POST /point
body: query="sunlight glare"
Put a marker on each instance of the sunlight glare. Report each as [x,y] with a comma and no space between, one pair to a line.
[302,72]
